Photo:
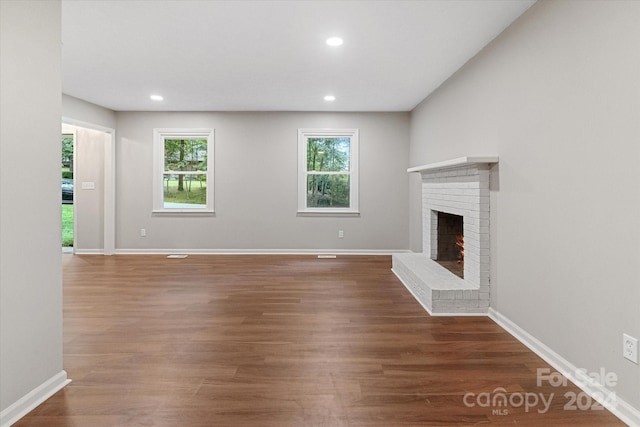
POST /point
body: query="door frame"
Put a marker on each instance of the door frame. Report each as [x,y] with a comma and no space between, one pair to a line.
[109,211]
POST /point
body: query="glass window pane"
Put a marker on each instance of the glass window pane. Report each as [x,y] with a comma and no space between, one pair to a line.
[328,191]
[328,154]
[185,154]
[184,191]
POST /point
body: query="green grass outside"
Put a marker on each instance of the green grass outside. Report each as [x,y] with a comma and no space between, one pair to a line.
[197,195]
[67,225]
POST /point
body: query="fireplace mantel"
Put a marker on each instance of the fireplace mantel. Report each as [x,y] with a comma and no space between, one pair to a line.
[453,163]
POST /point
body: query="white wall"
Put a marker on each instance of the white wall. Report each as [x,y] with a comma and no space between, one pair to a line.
[30,223]
[557,97]
[256,184]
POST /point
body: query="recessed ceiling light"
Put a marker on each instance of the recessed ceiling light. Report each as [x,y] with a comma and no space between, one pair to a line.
[156,97]
[329,98]
[334,41]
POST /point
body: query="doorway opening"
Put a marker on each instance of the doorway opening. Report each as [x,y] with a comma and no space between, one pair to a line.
[93,176]
[67,191]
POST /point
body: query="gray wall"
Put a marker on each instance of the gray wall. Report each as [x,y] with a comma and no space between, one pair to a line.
[30,266]
[89,203]
[557,97]
[85,113]
[256,184]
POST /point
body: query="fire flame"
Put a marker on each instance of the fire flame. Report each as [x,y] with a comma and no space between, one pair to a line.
[460,244]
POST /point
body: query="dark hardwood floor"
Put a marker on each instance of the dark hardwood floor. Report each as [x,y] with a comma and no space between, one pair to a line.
[281,341]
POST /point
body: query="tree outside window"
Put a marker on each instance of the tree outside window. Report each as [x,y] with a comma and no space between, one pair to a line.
[328,171]
[183,170]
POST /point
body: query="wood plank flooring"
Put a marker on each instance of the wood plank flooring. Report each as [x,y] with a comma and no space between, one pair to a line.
[280,341]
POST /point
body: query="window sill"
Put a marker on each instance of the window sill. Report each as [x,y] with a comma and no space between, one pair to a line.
[183,212]
[329,213]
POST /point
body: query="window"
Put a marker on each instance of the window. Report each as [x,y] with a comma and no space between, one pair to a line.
[183,170]
[328,171]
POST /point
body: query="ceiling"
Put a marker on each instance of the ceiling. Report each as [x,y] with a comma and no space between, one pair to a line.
[271,55]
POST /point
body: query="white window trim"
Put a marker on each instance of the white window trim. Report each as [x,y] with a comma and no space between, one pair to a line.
[159,136]
[303,136]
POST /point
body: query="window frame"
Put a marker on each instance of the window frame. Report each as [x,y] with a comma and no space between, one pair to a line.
[303,173]
[159,137]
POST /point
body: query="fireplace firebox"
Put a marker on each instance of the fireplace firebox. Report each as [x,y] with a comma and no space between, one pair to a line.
[449,236]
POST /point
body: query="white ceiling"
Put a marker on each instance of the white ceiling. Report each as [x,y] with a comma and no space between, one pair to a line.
[271,55]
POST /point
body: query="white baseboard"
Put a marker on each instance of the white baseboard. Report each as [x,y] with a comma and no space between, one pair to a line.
[620,408]
[88,252]
[259,251]
[29,401]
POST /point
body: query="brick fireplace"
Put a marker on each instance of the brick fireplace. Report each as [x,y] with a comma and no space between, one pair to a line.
[460,188]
